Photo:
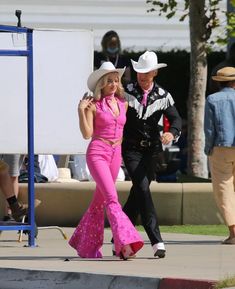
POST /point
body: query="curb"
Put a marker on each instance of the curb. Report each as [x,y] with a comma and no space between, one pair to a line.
[174,283]
[22,278]
[28,279]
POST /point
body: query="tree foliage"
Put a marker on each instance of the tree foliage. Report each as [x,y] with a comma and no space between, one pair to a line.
[212,20]
[204,18]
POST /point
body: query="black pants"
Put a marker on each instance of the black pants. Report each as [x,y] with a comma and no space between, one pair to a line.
[138,164]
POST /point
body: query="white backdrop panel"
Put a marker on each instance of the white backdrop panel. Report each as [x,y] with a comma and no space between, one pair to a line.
[62,62]
[13,104]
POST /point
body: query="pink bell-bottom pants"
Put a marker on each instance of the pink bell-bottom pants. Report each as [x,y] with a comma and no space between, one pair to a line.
[104,161]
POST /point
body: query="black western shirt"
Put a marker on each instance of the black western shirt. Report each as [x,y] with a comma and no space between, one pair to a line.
[142,121]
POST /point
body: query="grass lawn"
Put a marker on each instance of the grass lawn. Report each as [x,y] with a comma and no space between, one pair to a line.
[213,230]
[226,283]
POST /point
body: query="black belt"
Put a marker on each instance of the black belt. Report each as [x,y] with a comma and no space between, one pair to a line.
[142,143]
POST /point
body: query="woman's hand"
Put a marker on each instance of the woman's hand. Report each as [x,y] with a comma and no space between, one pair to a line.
[86,109]
[86,102]
[166,138]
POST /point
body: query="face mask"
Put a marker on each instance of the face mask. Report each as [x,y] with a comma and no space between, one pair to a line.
[112,50]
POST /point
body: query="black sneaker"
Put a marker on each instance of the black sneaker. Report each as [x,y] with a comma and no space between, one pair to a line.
[8,218]
[19,211]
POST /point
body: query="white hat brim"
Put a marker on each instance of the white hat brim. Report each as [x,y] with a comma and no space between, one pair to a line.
[146,69]
[97,74]
[61,180]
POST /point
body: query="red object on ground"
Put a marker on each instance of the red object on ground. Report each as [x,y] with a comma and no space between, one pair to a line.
[172,283]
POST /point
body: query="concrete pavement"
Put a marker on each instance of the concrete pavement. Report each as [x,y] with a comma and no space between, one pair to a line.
[192,261]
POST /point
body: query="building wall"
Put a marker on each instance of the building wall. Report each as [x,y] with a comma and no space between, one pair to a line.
[137,28]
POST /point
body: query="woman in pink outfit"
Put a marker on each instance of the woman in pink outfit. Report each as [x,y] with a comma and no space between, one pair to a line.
[102,118]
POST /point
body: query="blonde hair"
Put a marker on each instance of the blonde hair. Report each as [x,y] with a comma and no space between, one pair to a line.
[102,82]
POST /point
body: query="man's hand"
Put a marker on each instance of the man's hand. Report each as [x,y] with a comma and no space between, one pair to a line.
[166,138]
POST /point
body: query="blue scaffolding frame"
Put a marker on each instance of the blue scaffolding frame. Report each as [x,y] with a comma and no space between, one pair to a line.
[30,226]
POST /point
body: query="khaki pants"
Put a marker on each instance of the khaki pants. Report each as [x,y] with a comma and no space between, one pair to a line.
[222,166]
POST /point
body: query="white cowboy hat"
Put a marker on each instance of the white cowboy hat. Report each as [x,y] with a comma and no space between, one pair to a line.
[147,62]
[225,74]
[105,68]
[65,176]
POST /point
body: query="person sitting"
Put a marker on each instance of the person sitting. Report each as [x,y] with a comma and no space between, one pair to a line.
[14,162]
[18,210]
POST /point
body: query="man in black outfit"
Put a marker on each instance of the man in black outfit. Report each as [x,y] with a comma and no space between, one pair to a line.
[142,142]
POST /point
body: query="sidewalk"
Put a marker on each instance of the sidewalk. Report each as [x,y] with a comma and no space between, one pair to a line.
[192,261]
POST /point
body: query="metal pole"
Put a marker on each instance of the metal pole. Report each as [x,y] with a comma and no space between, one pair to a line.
[30,103]
[29,54]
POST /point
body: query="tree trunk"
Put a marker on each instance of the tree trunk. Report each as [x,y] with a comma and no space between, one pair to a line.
[197,160]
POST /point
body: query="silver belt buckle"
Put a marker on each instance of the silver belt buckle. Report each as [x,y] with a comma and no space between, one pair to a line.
[145,143]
